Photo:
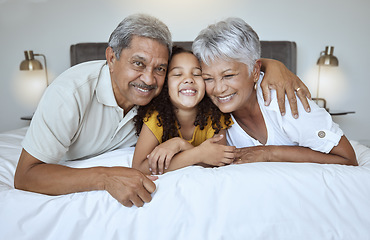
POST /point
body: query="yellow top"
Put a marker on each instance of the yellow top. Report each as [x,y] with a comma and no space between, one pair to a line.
[199,136]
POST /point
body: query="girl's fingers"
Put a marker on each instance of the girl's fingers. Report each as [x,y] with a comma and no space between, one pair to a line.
[167,162]
[153,164]
[161,163]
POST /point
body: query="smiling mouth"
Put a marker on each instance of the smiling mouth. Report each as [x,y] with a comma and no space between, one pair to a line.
[188,91]
[226,98]
[143,87]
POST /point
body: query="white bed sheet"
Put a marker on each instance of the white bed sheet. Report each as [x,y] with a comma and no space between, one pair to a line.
[249,201]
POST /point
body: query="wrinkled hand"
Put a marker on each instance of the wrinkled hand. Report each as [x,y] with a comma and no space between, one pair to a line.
[160,158]
[129,186]
[216,154]
[253,154]
[278,77]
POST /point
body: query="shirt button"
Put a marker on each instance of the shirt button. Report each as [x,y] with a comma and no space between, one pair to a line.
[321,134]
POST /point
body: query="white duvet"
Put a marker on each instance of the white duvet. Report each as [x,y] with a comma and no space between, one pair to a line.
[249,201]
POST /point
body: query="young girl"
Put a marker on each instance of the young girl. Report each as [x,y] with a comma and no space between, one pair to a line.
[178,122]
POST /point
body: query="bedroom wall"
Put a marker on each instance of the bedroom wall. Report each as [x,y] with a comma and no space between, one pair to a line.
[51,26]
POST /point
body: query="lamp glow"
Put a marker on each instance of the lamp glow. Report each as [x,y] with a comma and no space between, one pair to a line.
[325,61]
[32,80]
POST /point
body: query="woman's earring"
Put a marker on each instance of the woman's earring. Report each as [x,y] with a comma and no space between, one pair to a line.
[255,84]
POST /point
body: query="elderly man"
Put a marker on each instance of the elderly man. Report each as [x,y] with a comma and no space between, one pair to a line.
[89,110]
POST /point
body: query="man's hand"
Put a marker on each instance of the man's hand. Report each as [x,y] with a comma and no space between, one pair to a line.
[129,186]
[278,77]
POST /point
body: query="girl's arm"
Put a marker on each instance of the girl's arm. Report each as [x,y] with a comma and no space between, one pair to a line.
[149,155]
[145,145]
[160,158]
[343,153]
[213,152]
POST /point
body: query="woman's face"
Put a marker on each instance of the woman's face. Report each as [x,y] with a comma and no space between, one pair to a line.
[229,84]
[185,83]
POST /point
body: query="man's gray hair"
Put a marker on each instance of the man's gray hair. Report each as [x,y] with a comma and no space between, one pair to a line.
[229,40]
[141,25]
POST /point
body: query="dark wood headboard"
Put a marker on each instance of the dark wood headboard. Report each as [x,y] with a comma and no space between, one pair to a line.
[284,51]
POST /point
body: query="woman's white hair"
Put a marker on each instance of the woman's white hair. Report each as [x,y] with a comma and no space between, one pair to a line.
[229,40]
[142,25]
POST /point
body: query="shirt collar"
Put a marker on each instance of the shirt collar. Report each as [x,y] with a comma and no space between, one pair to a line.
[104,89]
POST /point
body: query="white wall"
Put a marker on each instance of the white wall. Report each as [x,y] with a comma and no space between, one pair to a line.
[51,26]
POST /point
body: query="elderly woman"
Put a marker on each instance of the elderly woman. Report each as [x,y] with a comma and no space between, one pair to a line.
[229,52]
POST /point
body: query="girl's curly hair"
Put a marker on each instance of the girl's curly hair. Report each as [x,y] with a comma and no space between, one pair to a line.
[166,112]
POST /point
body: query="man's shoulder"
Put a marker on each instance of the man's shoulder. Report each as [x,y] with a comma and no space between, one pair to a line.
[77,84]
[80,74]
[80,78]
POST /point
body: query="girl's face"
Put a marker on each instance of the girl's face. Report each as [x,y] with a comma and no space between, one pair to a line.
[229,84]
[185,83]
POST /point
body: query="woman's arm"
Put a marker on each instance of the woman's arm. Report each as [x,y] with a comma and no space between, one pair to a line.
[278,77]
[343,153]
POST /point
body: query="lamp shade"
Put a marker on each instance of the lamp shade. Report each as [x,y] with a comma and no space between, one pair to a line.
[327,58]
[32,80]
[30,63]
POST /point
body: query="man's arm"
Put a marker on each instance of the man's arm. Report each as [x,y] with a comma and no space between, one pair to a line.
[128,186]
[278,77]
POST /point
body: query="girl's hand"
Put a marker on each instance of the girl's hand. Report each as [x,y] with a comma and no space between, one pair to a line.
[253,154]
[216,154]
[159,159]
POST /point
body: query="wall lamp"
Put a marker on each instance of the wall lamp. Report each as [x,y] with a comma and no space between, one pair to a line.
[326,59]
[30,63]
[32,80]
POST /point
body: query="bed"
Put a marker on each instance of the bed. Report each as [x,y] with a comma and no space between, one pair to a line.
[248,201]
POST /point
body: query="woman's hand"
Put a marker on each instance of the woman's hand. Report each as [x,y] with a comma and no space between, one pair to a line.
[253,154]
[159,159]
[278,77]
[216,154]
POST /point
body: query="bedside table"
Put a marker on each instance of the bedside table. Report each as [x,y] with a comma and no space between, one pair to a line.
[340,112]
[27,118]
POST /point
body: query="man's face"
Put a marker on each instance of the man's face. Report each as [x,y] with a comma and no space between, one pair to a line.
[138,76]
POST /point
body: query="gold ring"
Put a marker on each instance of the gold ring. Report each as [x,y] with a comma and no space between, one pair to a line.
[298,89]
